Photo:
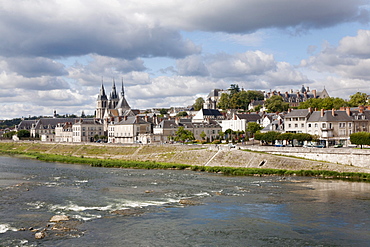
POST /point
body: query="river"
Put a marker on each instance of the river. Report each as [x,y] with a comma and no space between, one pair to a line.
[129,207]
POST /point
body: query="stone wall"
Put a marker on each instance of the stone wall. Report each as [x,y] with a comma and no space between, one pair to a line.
[346,156]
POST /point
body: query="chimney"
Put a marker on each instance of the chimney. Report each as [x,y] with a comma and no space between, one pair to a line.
[286,95]
[125,118]
[322,113]
[314,93]
[308,89]
[348,111]
[146,118]
[361,108]
[310,110]
[177,120]
[234,116]
[289,110]
[333,112]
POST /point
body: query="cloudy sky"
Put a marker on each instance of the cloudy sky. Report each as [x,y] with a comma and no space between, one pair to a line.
[54,54]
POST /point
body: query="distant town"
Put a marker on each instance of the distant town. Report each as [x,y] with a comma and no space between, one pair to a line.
[232,115]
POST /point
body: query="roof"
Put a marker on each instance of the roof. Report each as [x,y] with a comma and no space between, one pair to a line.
[253,117]
[298,113]
[45,123]
[328,116]
[132,120]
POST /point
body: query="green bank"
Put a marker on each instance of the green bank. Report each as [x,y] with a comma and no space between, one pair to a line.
[135,157]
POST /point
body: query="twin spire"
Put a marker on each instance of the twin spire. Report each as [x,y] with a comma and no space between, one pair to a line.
[113,95]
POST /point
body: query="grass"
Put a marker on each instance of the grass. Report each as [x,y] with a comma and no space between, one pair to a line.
[35,151]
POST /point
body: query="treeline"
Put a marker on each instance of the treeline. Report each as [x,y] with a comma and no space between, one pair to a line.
[238,99]
[272,136]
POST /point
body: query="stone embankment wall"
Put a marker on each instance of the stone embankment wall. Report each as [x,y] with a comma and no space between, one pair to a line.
[345,156]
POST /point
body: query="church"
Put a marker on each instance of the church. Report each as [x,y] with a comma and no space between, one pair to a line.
[114,106]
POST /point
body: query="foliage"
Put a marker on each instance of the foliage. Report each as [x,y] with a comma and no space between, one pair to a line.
[276,104]
[198,104]
[23,133]
[183,135]
[203,135]
[221,134]
[163,111]
[238,99]
[9,134]
[182,114]
[253,127]
[326,103]
[10,123]
[358,99]
[360,138]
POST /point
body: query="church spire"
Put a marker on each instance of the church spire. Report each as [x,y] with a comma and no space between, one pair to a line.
[102,95]
[113,94]
[123,90]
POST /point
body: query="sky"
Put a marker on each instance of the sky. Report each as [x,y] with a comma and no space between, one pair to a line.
[55,54]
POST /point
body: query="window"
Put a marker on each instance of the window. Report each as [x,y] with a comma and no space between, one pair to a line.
[323,125]
[302,125]
[309,125]
[342,125]
[296,125]
[316,125]
[289,125]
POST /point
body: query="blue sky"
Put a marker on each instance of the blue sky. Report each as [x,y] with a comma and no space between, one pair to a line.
[54,54]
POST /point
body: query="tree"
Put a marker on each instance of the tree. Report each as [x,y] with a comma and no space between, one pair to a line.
[276,104]
[224,102]
[234,88]
[252,128]
[326,103]
[198,104]
[203,135]
[23,133]
[182,114]
[360,138]
[221,134]
[288,137]
[358,99]
[183,135]
[163,111]
[9,134]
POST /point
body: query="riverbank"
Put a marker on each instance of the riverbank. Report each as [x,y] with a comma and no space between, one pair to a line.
[211,158]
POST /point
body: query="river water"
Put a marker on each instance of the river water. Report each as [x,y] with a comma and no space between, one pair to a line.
[128,207]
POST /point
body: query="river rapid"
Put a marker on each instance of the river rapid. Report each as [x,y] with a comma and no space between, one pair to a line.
[129,207]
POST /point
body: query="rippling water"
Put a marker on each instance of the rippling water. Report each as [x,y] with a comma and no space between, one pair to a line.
[127,207]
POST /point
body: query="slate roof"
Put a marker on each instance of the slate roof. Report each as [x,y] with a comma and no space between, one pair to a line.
[132,120]
[46,123]
[339,116]
[298,113]
[253,117]
[26,124]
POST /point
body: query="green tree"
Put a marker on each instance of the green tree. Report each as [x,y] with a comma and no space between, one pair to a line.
[9,134]
[326,103]
[182,114]
[360,138]
[23,133]
[221,134]
[163,111]
[224,102]
[203,135]
[358,99]
[252,128]
[288,137]
[276,104]
[198,104]
[183,135]
[234,88]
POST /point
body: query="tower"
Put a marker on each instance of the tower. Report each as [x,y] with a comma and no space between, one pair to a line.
[102,103]
[113,98]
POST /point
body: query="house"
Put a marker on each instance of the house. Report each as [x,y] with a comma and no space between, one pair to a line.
[240,121]
[332,126]
[131,129]
[45,127]
[295,121]
[85,129]
[205,115]
[302,95]
[166,129]
[64,132]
